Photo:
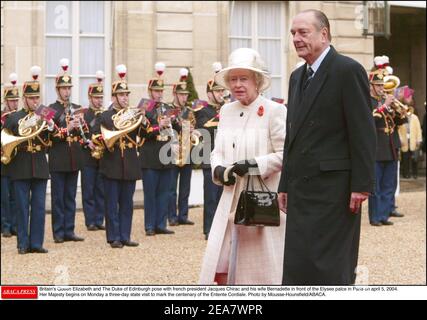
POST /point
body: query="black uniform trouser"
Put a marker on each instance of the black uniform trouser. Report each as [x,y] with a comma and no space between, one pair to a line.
[409,164]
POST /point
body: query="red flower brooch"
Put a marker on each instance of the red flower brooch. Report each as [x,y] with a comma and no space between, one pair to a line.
[261,111]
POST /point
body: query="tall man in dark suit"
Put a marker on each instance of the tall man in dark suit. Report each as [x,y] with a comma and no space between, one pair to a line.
[328,161]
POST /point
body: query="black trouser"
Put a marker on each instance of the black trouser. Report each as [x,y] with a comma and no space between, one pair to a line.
[409,162]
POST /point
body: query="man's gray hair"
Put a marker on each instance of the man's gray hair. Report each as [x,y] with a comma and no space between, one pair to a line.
[322,21]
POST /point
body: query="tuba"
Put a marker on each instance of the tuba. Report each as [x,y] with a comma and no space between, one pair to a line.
[28,128]
[125,121]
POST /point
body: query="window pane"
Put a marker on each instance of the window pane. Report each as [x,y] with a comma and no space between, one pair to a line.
[239,43]
[49,90]
[269,19]
[270,51]
[91,55]
[58,17]
[84,85]
[56,49]
[240,19]
[275,90]
[91,17]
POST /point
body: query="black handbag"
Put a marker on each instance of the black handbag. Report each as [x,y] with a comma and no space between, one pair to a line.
[257,208]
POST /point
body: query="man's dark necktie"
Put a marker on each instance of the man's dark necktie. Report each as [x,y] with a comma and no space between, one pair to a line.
[307,78]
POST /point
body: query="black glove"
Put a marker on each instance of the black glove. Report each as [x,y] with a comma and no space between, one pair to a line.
[242,167]
[219,174]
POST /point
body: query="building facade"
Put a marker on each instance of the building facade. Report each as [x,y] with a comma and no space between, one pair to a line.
[100,34]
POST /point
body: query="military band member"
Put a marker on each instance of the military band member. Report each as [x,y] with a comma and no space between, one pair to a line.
[185,122]
[386,121]
[65,159]
[156,170]
[8,208]
[92,182]
[119,164]
[29,168]
[207,119]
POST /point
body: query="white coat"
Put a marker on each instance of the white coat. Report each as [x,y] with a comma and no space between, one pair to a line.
[250,255]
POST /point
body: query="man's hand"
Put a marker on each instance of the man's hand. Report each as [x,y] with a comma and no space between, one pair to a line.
[356,201]
[164,122]
[389,100]
[73,124]
[283,201]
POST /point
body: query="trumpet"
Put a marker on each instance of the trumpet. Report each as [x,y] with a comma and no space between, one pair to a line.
[401,109]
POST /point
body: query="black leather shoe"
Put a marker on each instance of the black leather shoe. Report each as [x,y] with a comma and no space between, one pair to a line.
[376,224]
[7,234]
[23,251]
[396,214]
[188,222]
[39,250]
[100,227]
[92,227]
[387,223]
[116,244]
[150,233]
[74,238]
[130,243]
[173,223]
[164,231]
[58,240]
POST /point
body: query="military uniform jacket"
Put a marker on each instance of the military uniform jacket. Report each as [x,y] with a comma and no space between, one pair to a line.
[66,154]
[151,149]
[388,143]
[4,167]
[27,164]
[120,164]
[207,118]
[92,118]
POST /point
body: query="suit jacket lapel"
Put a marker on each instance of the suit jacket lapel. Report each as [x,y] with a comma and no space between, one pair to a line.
[303,108]
[295,94]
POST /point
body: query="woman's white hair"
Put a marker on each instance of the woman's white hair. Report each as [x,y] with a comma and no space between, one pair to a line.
[259,78]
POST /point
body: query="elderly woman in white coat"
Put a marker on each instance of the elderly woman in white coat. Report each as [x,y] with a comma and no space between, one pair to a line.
[249,141]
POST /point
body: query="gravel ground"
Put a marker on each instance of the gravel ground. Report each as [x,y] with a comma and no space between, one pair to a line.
[388,254]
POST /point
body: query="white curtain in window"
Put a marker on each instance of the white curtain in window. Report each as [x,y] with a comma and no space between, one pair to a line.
[269,27]
[58,17]
[56,49]
[91,55]
[271,53]
[240,43]
[275,90]
[91,17]
[269,19]
[241,19]
[50,92]
[84,85]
